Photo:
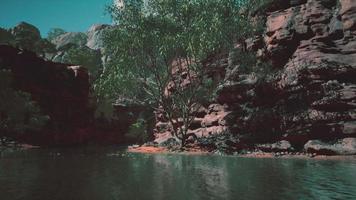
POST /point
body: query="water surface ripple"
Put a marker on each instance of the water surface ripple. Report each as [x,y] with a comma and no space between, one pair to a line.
[110,174]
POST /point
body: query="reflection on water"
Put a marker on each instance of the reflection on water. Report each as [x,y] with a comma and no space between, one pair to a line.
[110,174]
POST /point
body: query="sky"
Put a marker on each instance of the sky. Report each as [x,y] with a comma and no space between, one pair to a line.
[70,15]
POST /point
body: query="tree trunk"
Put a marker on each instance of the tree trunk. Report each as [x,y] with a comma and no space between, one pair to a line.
[182,144]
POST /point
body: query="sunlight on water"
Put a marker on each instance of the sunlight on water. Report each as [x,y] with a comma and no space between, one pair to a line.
[105,174]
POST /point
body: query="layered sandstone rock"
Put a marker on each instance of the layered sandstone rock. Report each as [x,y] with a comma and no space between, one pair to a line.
[321,71]
[308,91]
[346,146]
[281,146]
[311,93]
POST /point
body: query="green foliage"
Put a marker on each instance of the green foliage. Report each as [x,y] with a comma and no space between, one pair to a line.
[85,57]
[18,113]
[6,37]
[156,37]
[55,32]
[246,60]
[44,46]
[91,60]
[138,131]
[151,34]
[206,92]
[248,63]
[26,36]
[78,39]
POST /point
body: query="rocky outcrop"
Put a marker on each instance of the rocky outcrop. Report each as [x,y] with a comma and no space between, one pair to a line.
[346,146]
[69,39]
[95,41]
[82,55]
[310,90]
[320,70]
[307,91]
[6,37]
[60,90]
[280,146]
[26,35]
[84,48]
[95,36]
[212,123]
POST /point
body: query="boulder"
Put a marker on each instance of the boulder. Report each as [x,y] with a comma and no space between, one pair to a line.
[26,36]
[346,146]
[280,146]
[208,131]
[348,14]
[164,139]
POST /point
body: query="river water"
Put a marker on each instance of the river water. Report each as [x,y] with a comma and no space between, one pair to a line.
[110,173]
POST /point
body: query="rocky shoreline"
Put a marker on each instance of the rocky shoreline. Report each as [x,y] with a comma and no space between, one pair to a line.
[247,154]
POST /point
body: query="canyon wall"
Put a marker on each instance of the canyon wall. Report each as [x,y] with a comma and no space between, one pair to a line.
[307,92]
[60,90]
[59,75]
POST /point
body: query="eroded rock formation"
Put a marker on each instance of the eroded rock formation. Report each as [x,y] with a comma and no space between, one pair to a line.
[60,90]
[309,90]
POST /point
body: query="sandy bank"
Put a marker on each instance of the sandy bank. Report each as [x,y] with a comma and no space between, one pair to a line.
[195,151]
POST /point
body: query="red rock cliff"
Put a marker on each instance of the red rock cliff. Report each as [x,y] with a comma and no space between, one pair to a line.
[60,90]
[308,93]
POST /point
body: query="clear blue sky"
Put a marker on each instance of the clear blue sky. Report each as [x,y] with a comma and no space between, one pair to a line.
[71,15]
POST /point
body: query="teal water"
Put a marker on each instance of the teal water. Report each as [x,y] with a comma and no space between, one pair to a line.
[110,174]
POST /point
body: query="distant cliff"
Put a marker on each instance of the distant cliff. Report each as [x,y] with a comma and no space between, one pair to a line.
[59,74]
[62,47]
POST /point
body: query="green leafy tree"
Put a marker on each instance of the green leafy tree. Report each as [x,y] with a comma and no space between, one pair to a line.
[44,46]
[158,46]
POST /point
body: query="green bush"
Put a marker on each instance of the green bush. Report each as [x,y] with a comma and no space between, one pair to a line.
[85,57]
[18,113]
[138,131]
